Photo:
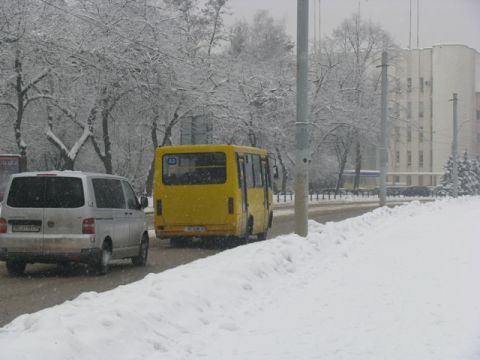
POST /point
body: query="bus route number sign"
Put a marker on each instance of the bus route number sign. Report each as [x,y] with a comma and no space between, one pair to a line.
[172,160]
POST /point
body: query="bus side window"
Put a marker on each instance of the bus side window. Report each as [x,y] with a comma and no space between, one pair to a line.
[240,174]
[249,171]
[257,171]
[266,171]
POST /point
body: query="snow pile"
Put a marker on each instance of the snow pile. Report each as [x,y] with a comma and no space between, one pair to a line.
[393,284]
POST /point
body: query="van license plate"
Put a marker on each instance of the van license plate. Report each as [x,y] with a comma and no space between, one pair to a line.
[25,228]
[194,228]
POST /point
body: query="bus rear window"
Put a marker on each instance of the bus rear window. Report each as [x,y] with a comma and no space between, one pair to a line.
[194,169]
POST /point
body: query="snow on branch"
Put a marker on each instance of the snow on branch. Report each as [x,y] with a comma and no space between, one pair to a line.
[9,105]
[35,80]
[73,152]
[37,97]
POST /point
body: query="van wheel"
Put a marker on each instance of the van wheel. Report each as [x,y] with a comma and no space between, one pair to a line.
[103,263]
[16,268]
[141,259]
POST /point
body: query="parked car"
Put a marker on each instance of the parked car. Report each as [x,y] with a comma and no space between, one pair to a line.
[70,216]
[417,191]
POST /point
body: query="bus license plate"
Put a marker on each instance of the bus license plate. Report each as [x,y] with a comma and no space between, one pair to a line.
[25,228]
[194,228]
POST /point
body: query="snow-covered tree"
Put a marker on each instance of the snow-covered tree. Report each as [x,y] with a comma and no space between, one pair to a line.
[468,176]
[350,58]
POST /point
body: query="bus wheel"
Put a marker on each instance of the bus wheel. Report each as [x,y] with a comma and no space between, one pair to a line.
[262,236]
[180,241]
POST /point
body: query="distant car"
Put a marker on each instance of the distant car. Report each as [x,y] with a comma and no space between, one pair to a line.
[422,191]
[70,216]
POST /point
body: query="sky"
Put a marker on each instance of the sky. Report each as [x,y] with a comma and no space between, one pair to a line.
[396,283]
[441,21]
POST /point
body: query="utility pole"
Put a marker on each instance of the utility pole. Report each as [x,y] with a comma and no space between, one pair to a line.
[384,132]
[301,125]
[454,147]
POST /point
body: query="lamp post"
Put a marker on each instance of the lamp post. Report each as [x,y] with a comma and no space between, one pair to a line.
[301,125]
[454,147]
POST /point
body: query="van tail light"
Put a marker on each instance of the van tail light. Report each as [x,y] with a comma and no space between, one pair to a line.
[3,226]
[230,205]
[159,207]
[88,226]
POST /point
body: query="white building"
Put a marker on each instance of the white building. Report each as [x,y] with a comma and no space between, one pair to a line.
[421,128]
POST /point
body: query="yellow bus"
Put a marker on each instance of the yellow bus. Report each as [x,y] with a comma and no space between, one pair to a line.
[210,191]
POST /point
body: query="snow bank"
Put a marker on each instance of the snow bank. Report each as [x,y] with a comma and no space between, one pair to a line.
[392,284]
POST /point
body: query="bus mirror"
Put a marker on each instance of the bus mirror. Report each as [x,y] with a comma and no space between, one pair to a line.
[275,172]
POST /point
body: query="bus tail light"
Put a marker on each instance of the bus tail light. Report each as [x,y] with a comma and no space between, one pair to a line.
[230,205]
[3,226]
[159,207]
[88,226]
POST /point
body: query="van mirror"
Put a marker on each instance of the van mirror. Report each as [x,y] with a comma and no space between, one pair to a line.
[143,201]
[275,172]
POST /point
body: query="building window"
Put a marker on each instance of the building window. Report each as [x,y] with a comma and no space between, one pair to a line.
[420,109]
[420,84]
[478,114]
[420,180]
[396,179]
[409,84]
[409,180]
[478,138]
[409,133]
[420,134]
[409,158]
[409,110]
[420,158]
[397,133]
[397,157]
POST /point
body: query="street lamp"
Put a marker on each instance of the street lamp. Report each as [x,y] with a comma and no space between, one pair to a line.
[301,125]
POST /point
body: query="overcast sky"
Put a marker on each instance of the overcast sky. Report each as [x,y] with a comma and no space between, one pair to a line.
[441,21]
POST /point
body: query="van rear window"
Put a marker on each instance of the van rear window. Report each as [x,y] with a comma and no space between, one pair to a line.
[46,192]
[194,169]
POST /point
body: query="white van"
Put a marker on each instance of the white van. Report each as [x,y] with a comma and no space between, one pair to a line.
[70,216]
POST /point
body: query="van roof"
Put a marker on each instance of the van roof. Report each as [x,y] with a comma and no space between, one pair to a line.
[67,173]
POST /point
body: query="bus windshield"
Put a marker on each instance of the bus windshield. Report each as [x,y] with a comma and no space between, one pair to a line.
[194,169]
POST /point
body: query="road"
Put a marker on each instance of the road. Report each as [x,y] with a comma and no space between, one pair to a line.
[47,285]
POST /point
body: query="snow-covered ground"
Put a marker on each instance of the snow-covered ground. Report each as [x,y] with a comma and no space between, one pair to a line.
[396,283]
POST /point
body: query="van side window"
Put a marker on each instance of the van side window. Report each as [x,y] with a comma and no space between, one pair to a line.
[108,193]
[132,201]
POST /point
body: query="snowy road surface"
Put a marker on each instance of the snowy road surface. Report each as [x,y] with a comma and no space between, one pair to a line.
[396,283]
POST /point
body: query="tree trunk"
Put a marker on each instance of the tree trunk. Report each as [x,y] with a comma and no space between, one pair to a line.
[151,170]
[358,165]
[283,185]
[107,144]
[68,164]
[22,147]
[343,162]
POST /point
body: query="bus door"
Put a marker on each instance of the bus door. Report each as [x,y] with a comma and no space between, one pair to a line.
[242,184]
[267,199]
